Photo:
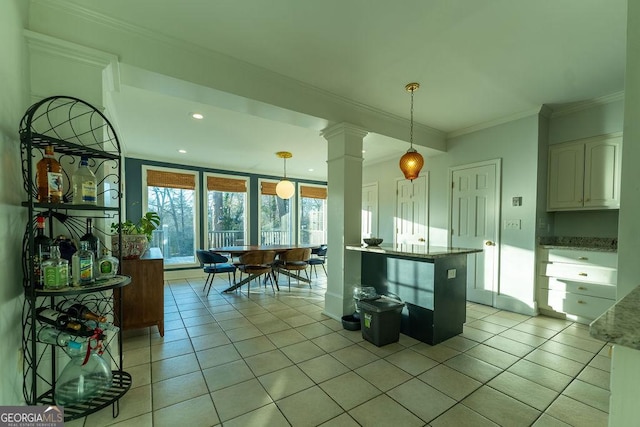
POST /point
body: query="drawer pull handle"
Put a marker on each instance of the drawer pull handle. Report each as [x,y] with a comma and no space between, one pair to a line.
[582,288]
[583,258]
[581,302]
[582,274]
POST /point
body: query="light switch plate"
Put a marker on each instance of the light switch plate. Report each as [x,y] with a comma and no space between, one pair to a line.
[451,274]
[512,224]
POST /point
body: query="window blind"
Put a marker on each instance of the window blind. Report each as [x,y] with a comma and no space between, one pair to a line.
[313,192]
[229,185]
[156,178]
[268,188]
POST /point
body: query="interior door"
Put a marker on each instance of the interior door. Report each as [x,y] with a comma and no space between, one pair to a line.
[369,210]
[475,204]
[411,211]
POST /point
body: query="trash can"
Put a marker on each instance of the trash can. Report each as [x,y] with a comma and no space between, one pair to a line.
[380,320]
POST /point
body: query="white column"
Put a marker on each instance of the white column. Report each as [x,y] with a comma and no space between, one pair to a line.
[344,205]
[628,224]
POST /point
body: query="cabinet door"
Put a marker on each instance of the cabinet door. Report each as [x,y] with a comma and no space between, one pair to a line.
[566,173]
[602,173]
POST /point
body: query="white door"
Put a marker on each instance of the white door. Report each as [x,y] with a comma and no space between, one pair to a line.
[411,211]
[475,204]
[370,210]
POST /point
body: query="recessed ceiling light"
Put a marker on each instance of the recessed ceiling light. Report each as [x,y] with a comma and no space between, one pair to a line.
[364,151]
[197,116]
[182,151]
[310,170]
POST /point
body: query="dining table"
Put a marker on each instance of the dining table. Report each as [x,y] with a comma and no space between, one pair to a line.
[242,249]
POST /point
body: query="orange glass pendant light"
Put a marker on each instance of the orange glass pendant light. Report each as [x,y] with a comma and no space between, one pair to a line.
[412,161]
[285,188]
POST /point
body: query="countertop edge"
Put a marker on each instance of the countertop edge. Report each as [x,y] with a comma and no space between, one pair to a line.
[438,252]
[620,324]
[580,248]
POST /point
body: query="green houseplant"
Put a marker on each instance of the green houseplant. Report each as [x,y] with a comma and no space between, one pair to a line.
[135,236]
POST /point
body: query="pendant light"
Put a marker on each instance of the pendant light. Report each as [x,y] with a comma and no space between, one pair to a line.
[411,162]
[285,188]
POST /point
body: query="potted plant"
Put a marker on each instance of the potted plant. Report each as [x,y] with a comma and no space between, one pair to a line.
[135,236]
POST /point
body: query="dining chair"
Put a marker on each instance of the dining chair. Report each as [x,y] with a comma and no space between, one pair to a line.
[257,263]
[294,260]
[213,263]
[319,259]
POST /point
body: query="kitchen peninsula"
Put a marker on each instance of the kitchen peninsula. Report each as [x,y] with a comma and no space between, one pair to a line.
[432,281]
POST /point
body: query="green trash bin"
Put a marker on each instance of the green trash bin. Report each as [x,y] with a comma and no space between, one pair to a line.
[380,320]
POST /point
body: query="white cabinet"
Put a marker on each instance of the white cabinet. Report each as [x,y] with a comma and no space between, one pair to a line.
[578,284]
[585,174]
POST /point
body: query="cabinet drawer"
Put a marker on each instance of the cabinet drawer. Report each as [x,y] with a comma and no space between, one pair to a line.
[575,256]
[579,305]
[581,288]
[580,273]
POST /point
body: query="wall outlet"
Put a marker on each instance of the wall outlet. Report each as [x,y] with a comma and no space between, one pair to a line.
[512,224]
[451,274]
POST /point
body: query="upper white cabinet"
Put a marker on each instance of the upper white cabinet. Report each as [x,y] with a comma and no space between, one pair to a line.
[585,174]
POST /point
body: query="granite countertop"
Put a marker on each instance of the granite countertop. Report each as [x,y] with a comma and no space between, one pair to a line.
[414,251]
[621,323]
[600,244]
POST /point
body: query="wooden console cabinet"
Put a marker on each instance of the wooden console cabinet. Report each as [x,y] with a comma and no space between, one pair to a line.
[143,299]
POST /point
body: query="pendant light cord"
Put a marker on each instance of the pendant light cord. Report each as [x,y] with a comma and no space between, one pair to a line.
[411,126]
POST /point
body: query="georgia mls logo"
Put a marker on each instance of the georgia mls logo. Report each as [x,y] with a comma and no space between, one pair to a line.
[31,416]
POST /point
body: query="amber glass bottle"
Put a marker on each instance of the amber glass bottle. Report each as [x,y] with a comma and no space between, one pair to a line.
[49,178]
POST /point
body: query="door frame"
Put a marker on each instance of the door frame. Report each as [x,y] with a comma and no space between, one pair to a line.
[497,163]
[376,226]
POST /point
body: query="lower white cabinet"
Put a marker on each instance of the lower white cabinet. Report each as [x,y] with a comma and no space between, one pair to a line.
[577,284]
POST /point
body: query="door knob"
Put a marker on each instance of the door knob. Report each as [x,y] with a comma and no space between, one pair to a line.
[421,239]
[489,243]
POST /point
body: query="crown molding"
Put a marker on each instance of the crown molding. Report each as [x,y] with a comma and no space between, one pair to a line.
[118,25]
[574,107]
[492,123]
[45,44]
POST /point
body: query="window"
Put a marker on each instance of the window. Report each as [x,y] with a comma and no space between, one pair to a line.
[173,195]
[276,220]
[227,216]
[313,215]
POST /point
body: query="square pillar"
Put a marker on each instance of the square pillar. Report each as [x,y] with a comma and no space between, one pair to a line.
[344,205]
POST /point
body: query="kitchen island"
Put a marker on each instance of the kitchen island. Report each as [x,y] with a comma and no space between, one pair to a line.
[431,281]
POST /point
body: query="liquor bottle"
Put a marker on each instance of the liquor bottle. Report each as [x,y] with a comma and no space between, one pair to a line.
[51,335]
[82,265]
[41,243]
[94,243]
[107,265]
[49,178]
[79,311]
[84,184]
[55,270]
[57,319]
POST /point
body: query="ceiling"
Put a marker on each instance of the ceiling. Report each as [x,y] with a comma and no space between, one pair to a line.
[477,62]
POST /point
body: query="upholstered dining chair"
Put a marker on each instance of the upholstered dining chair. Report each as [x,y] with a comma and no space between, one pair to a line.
[294,260]
[213,263]
[257,263]
[318,257]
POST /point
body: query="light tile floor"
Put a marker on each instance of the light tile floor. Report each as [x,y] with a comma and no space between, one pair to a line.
[275,360]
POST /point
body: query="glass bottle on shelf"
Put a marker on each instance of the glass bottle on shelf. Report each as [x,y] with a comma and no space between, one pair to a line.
[57,319]
[49,178]
[82,265]
[41,243]
[79,311]
[55,270]
[51,335]
[107,265]
[89,237]
[84,184]
[83,378]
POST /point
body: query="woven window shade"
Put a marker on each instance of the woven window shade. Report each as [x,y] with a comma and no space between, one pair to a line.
[229,185]
[268,189]
[183,181]
[313,192]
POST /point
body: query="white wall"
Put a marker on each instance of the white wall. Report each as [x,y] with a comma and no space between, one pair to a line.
[14,86]
[516,143]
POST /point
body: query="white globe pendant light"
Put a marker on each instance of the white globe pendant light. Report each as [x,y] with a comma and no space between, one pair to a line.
[285,188]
